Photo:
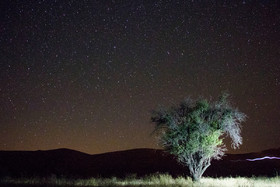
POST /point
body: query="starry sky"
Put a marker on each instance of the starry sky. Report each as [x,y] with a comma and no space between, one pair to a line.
[86,75]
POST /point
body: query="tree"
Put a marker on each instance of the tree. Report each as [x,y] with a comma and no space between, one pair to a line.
[194,131]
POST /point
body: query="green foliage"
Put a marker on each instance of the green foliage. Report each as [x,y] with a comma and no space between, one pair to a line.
[193,131]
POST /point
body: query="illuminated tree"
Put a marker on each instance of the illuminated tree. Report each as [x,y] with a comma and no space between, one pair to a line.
[194,131]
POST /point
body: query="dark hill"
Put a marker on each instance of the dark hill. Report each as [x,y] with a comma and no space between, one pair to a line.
[70,163]
[237,165]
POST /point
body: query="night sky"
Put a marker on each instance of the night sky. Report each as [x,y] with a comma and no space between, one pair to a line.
[86,75]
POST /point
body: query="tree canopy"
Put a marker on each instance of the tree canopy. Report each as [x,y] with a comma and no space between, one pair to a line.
[194,131]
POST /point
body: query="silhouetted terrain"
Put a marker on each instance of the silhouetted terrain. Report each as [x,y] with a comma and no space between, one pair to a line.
[70,163]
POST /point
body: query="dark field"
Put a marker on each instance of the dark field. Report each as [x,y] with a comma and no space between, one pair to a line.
[138,167]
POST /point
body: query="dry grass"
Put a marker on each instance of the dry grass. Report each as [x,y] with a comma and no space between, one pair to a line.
[153,180]
[241,182]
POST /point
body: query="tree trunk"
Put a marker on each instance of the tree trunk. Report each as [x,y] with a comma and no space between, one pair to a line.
[195,173]
[196,177]
[197,167]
